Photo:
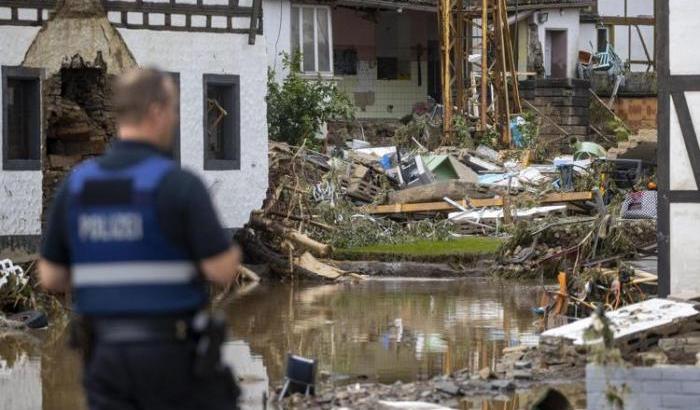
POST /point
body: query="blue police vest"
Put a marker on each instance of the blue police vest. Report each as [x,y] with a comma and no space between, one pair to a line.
[122,263]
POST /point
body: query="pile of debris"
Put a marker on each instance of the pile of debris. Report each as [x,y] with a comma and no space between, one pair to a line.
[570,213]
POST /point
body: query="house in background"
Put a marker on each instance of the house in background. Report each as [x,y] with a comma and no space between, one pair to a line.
[58,58]
[627,25]
[385,54]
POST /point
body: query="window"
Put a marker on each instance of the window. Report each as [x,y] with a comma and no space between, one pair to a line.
[311,35]
[221,122]
[602,39]
[21,118]
[176,133]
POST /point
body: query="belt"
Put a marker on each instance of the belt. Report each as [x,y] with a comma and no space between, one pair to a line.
[129,330]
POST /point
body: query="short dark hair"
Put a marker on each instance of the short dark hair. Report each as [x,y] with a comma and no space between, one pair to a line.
[136,90]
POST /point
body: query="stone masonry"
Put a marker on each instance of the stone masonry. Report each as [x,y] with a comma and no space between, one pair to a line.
[565,101]
[643,388]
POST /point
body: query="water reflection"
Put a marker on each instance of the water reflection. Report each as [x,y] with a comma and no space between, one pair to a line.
[386,330]
[375,330]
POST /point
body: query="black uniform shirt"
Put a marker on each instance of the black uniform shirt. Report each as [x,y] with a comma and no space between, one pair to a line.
[185,210]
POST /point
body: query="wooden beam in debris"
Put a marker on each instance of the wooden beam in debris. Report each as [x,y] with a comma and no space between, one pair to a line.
[257,4]
[475,203]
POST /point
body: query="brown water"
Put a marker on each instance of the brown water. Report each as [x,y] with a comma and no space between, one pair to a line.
[385,330]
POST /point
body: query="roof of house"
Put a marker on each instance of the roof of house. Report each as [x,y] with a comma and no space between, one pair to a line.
[432,4]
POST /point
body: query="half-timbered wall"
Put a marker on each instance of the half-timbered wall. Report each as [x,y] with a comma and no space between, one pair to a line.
[679,152]
[233,16]
[196,38]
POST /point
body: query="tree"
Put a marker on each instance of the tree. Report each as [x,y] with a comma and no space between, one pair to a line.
[298,107]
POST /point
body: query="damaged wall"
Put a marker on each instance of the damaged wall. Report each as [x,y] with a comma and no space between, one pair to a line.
[373,35]
[190,54]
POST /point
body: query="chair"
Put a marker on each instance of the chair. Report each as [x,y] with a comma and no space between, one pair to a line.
[300,377]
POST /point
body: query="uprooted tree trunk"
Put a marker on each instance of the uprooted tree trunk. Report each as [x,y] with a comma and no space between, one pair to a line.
[298,238]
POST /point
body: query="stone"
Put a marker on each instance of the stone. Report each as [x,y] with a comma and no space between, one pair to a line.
[524,374]
[449,388]
[523,364]
[486,374]
[502,385]
[652,358]
[512,349]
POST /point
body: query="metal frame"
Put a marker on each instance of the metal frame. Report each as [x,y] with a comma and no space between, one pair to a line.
[234,163]
[24,73]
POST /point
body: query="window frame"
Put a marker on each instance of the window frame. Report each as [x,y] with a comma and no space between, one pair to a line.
[176,147]
[300,40]
[213,164]
[21,73]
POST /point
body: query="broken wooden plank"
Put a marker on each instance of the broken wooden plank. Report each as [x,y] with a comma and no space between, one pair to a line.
[311,264]
[476,203]
[436,191]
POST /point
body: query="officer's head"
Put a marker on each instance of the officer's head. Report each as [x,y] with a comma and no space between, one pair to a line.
[145,103]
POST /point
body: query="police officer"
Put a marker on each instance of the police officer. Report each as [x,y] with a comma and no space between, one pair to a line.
[136,238]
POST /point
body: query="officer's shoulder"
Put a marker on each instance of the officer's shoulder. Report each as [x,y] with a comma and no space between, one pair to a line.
[180,179]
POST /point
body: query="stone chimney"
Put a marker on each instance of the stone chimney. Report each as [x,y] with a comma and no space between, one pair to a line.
[79,27]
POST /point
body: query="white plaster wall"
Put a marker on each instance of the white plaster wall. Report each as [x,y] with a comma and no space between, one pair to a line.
[587,36]
[684,54]
[277,26]
[20,193]
[685,249]
[684,34]
[237,192]
[563,19]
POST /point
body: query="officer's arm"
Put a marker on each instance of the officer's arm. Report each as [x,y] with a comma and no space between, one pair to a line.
[222,268]
[54,274]
[53,277]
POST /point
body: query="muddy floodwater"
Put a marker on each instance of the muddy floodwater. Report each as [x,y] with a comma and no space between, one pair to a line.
[377,330]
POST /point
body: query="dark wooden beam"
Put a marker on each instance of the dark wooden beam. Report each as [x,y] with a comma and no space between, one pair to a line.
[257,5]
[628,21]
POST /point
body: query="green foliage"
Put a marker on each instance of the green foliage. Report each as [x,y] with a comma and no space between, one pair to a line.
[530,129]
[298,107]
[467,245]
[462,131]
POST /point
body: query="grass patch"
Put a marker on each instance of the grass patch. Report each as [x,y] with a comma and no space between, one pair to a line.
[466,249]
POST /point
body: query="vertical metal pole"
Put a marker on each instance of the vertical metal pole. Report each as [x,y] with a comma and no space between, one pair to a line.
[484,63]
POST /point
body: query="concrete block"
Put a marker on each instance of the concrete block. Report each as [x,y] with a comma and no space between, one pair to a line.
[638,401]
[692,387]
[683,373]
[680,401]
[659,386]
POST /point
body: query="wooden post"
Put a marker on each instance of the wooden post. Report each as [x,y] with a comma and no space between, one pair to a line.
[459,55]
[444,24]
[484,63]
[510,59]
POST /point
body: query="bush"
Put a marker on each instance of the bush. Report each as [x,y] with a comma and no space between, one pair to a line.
[298,107]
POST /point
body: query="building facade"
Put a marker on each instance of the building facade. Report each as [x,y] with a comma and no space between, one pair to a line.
[58,58]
